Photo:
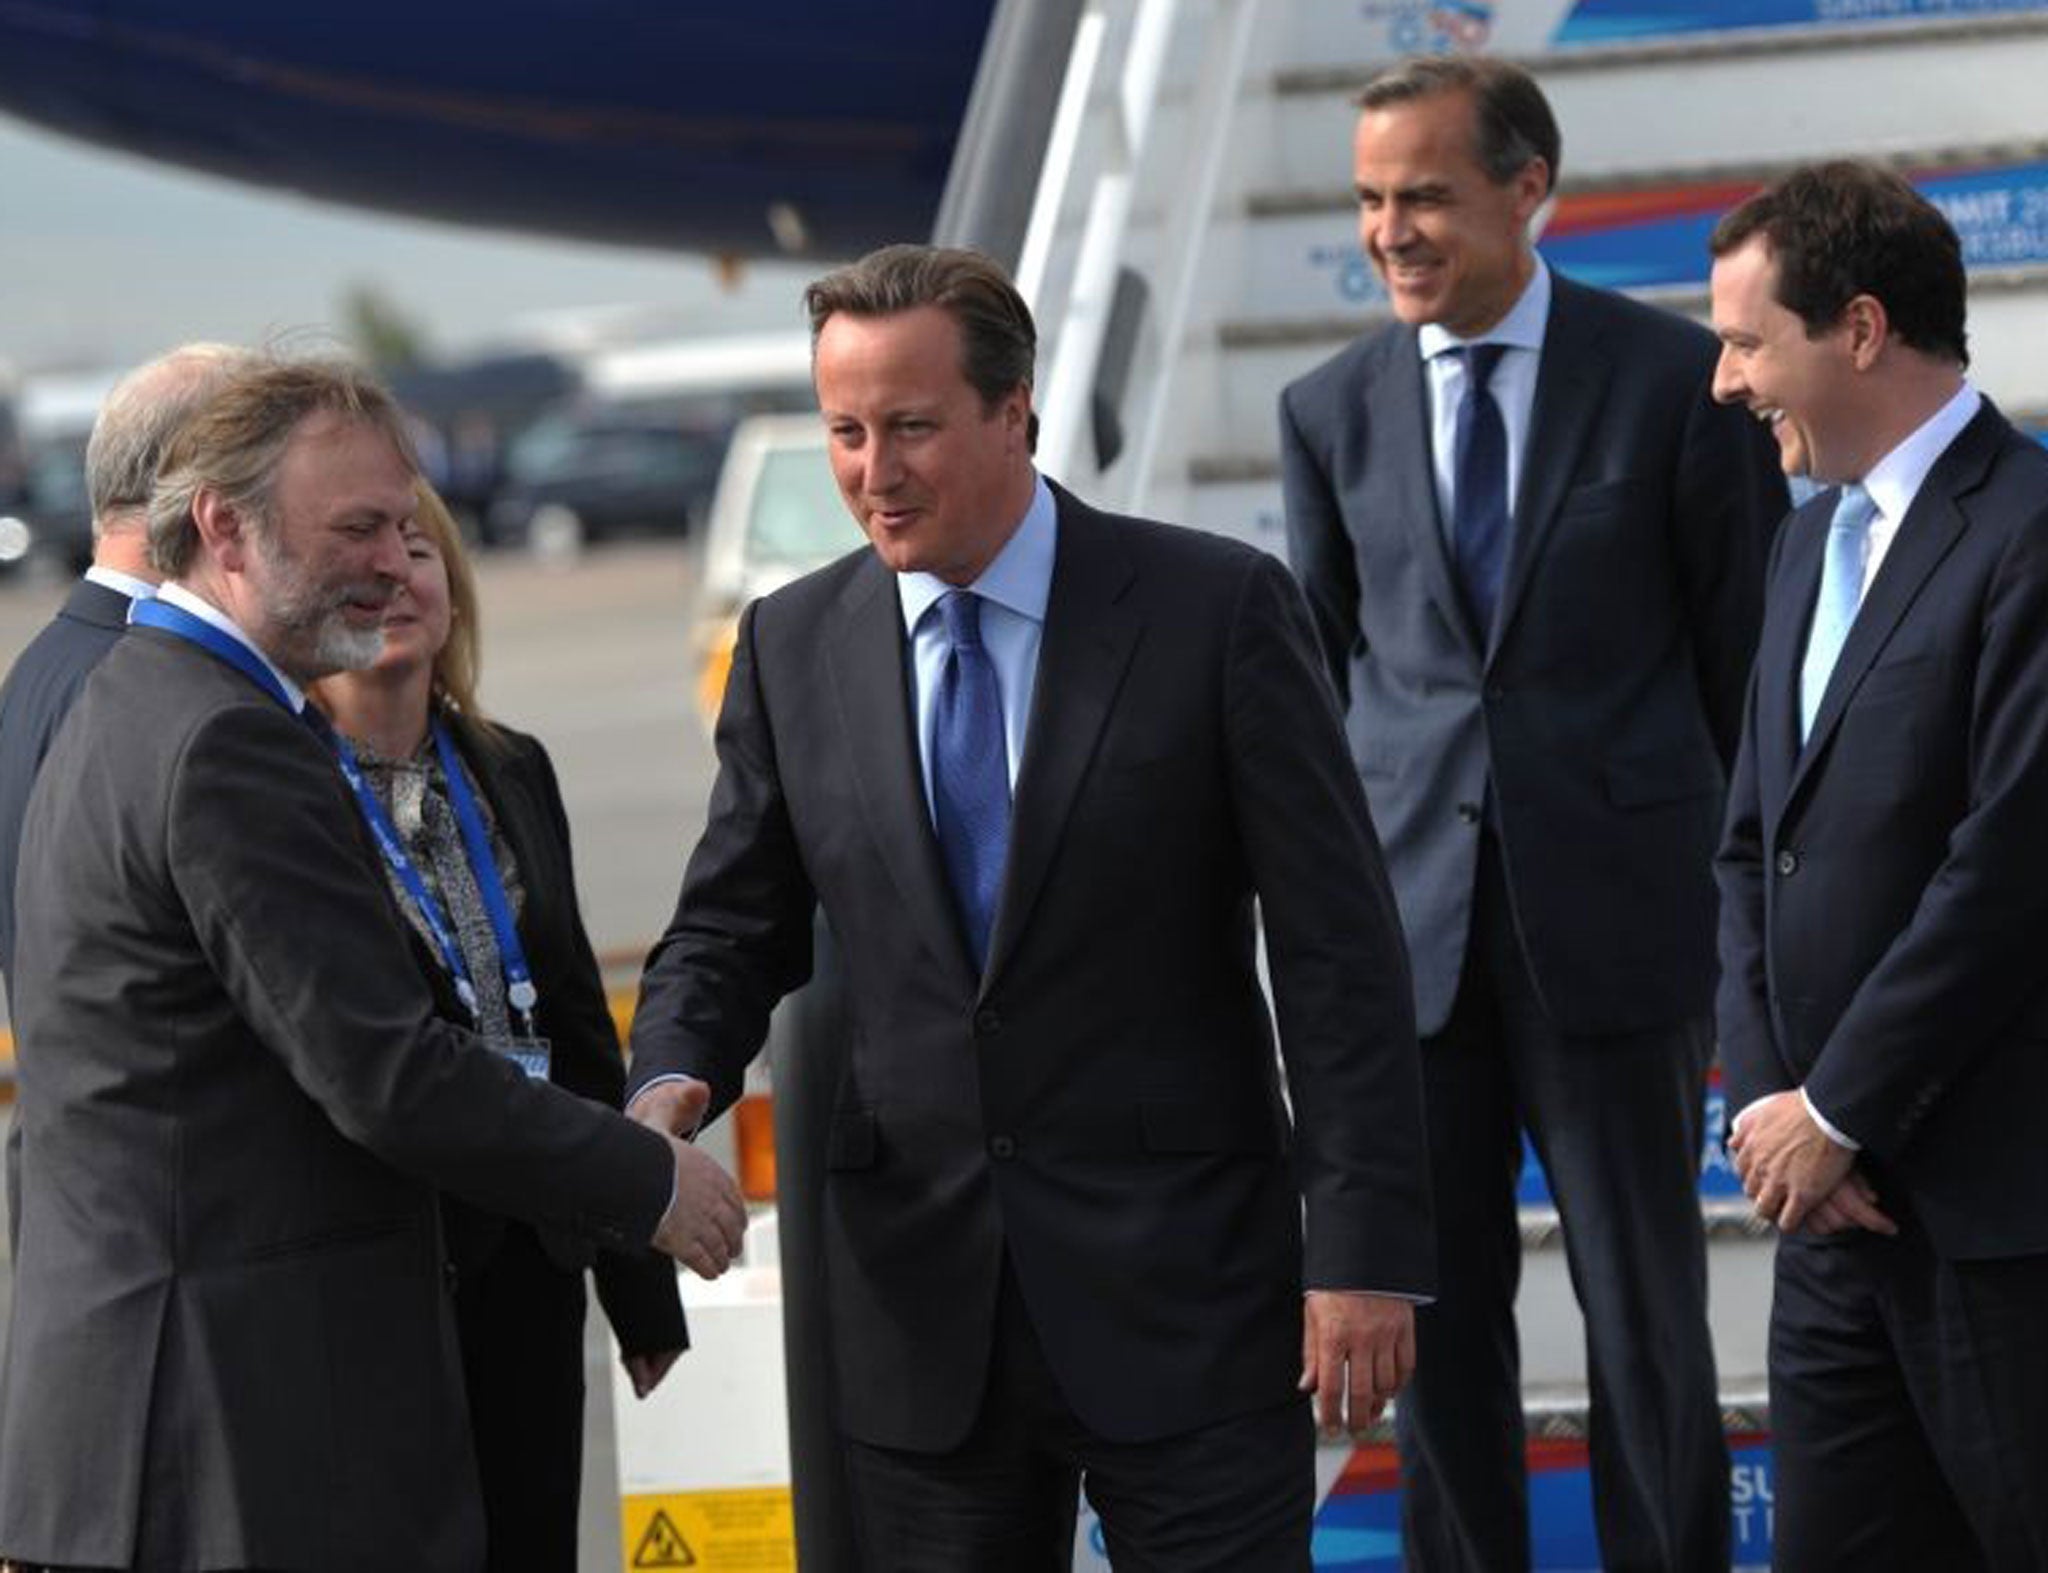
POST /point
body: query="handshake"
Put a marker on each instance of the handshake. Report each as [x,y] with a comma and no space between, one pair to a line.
[707,1218]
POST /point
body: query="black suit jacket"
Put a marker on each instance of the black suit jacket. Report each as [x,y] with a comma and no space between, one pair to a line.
[1601,712]
[231,1342]
[637,1289]
[1103,1106]
[1885,888]
[41,686]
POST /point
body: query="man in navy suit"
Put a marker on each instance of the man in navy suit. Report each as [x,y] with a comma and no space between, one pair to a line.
[1035,762]
[128,438]
[1534,550]
[1884,888]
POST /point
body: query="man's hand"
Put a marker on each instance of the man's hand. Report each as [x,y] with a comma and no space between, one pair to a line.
[1789,1165]
[1356,1352]
[705,1223]
[674,1105]
[1850,1205]
[646,1371]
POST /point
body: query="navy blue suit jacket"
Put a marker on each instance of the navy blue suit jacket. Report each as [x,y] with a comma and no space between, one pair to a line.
[41,685]
[1885,888]
[1601,712]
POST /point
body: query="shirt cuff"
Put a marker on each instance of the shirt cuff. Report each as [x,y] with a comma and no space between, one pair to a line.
[1826,1128]
[689,1135]
[1384,1294]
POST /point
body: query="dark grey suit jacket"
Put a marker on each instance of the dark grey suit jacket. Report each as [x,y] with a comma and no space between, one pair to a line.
[1102,1108]
[231,1341]
[1885,888]
[1601,712]
[41,686]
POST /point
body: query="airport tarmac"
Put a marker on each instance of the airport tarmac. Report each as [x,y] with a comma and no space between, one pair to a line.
[595,660]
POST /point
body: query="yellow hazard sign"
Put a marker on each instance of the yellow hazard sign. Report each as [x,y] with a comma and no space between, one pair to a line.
[712,1531]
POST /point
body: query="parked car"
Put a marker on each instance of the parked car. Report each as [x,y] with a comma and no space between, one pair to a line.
[574,478]
[55,509]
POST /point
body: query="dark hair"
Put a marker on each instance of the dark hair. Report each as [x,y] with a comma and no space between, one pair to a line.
[998,342]
[1846,228]
[1514,119]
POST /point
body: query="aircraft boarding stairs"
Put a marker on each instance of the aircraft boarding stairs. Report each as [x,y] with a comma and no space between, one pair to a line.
[1193,248]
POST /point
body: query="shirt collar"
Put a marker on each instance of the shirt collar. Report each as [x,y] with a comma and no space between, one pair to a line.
[1895,480]
[1020,578]
[121,583]
[1522,328]
[177,595]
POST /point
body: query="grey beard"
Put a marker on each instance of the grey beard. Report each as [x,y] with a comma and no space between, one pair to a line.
[340,648]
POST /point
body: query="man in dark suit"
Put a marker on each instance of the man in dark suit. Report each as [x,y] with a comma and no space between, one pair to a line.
[1884,889]
[1037,764]
[128,438]
[231,1341]
[1533,548]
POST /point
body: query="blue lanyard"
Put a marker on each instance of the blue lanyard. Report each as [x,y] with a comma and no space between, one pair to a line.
[216,641]
[520,993]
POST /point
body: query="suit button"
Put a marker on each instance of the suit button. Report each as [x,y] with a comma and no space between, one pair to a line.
[1002,1147]
[988,1021]
[1788,863]
[451,1280]
[1468,813]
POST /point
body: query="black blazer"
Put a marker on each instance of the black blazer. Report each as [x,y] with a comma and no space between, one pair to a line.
[1603,710]
[41,686]
[638,1290]
[1103,1107]
[1885,888]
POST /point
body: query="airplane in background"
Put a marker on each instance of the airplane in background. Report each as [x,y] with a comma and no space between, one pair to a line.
[750,129]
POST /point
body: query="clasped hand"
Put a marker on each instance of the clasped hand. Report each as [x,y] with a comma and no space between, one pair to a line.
[1797,1176]
[706,1221]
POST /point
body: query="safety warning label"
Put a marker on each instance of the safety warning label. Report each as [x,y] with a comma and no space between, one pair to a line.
[713,1531]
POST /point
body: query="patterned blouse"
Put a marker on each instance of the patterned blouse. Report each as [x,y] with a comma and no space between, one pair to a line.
[414,793]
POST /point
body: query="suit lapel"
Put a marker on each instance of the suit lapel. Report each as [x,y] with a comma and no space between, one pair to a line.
[871,682]
[1571,381]
[1091,629]
[1396,401]
[1930,528]
[1781,651]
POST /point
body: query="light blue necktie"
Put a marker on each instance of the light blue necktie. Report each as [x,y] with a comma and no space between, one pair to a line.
[970,771]
[1841,592]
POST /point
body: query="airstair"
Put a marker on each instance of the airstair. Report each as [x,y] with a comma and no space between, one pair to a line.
[1192,248]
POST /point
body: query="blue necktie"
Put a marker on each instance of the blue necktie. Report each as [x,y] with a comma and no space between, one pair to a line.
[1841,592]
[970,771]
[1480,488]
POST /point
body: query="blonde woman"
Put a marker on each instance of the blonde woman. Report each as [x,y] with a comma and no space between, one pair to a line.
[475,844]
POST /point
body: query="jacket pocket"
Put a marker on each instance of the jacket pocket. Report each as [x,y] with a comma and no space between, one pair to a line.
[1662,775]
[1188,1125]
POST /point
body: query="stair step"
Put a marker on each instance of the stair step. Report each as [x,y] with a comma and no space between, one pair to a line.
[1758,100]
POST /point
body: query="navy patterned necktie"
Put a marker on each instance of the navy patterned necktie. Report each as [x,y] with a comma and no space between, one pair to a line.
[970,771]
[1480,488]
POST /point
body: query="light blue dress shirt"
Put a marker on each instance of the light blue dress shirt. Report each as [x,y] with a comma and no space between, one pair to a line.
[1014,591]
